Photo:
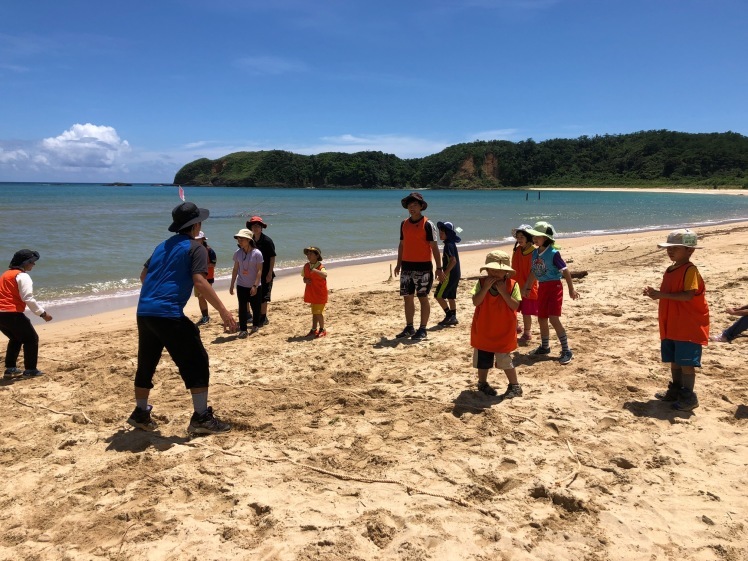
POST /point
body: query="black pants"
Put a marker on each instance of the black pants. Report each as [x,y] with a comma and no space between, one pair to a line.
[255,302]
[182,340]
[20,333]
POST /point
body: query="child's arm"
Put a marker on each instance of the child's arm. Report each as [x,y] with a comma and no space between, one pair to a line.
[511,302]
[684,296]
[437,260]
[488,282]
[742,311]
[234,272]
[320,271]
[528,284]
[573,294]
[399,258]
[451,264]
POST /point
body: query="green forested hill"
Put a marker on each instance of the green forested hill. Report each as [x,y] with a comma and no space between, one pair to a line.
[643,158]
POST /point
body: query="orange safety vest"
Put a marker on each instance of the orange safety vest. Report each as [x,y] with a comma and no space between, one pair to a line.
[415,246]
[521,263]
[10,298]
[494,327]
[316,291]
[684,321]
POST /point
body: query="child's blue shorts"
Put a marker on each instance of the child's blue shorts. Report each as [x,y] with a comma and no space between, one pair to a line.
[682,353]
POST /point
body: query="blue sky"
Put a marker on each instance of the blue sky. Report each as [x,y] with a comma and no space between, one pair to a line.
[101,91]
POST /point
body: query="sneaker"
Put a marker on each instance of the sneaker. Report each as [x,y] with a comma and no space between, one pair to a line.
[207,423]
[540,351]
[671,394]
[312,333]
[526,337]
[141,419]
[11,373]
[33,373]
[242,335]
[719,338]
[265,321]
[444,321]
[407,332]
[512,391]
[565,357]
[451,320]
[485,388]
[203,320]
[687,401]
[419,335]
[321,333]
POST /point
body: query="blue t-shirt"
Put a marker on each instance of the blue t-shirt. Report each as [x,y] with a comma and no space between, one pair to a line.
[547,266]
[168,282]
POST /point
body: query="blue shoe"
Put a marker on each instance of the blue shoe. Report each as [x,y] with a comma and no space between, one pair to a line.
[565,357]
[540,351]
[687,401]
[11,373]
[32,373]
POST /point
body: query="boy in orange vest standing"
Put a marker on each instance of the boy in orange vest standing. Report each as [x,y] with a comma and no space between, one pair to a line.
[493,334]
[315,292]
[418,245]
[683,317]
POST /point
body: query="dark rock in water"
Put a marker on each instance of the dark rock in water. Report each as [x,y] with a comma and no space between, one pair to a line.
[117,184]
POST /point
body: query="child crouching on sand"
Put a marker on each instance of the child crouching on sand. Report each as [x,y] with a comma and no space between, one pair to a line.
[493,334]
[684,319]
[521,263]
[548,268]
[315,292]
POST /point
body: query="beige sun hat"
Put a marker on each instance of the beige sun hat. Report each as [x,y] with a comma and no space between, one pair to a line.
[497,260]
[683,237]
[243,233]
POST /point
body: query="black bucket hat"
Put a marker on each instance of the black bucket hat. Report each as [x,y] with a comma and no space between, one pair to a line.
[24,257]
[186,215]
[414,197]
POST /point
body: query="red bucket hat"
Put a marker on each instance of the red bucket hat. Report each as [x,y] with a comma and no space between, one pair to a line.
[256,220]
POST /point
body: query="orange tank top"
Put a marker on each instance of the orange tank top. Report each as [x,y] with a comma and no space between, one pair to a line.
[415,246]
[316,291]
[684,321]
[521,263]
[10,299]
[494,326]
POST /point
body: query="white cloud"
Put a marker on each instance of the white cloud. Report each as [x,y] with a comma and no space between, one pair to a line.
[496,134]
[401,146]
[85,146]
[272,65]
[12,156]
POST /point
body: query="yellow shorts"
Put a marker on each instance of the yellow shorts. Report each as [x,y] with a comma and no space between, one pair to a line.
[318,309]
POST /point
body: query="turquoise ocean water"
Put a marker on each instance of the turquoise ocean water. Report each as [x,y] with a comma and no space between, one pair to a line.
[94,239]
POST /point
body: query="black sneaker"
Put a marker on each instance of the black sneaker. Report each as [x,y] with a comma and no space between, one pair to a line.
[407,332]
[687,401]
[512,391]
[419,335]
[451,320]
[485,388]
[540,351]
[207,423]
[11,373]
[265,321]
[565,357]
[203,320]
[141,419]
[33,373]
[671,394]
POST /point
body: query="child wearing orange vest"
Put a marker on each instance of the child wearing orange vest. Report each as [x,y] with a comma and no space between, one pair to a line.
[493,334]
[683,318]
[522,264]
[315,292]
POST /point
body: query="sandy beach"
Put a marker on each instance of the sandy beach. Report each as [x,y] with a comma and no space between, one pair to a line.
[359,446]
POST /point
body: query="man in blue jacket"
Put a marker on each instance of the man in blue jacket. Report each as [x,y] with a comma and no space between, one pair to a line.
[176,267]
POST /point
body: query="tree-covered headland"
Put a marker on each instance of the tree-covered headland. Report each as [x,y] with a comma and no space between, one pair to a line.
[648,158]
